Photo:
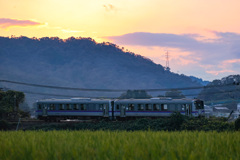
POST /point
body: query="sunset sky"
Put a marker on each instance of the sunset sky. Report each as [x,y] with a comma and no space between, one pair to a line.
[201,36]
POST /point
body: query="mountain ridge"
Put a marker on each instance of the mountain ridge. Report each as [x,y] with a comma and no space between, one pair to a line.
[81,62]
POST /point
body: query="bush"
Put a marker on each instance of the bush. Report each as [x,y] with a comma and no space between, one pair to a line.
[176,121]
[237,124]
[204,124]
[4,125]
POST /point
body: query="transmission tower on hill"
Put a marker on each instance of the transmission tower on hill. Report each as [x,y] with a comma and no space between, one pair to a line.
[167,68]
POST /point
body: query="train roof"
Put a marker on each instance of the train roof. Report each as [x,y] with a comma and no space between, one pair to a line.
[72,100]
[89,100]
[155,100]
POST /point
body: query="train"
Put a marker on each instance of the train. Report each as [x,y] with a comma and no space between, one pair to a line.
[115,109]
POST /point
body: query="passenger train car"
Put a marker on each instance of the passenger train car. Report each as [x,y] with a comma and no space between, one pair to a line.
[87,108]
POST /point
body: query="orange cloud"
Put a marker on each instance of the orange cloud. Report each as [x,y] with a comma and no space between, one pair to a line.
[109,7]
[7,22]
[71,31]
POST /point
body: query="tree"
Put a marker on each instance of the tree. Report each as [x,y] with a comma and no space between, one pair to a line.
[137,94]
[175,94]
[9,102]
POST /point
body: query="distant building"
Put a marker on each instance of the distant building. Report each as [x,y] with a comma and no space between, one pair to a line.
[221,111]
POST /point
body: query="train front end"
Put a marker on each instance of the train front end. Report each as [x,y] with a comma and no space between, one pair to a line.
[198,107]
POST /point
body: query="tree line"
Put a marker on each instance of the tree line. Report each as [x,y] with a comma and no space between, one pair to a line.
[142,94]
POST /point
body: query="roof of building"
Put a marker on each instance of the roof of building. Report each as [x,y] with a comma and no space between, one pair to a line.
[221,108]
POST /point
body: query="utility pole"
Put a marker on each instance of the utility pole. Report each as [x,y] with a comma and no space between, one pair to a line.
[167,68]
[15,103]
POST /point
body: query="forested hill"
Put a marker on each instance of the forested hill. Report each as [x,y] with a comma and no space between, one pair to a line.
[226,89]
[81,62]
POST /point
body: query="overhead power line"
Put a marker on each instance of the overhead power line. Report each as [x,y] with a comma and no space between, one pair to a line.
[113,90]
[62,95]
[72,96]
[211,93]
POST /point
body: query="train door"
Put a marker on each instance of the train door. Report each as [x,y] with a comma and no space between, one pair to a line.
[122,111]
[105,110]
[112,110]
[45,108]
[188,110]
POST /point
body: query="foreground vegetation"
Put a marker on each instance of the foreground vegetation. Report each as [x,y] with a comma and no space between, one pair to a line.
[161,124]
[119,145]
[176,122]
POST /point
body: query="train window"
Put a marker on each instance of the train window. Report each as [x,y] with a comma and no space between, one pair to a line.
[45,106]
[61,107]
[131,107]
[148,107]
[178,107]
[140,107]
[95,106]
[83,107]
[164,107]
[105,106]
[39,107]
[75,106]
[91,107]
[117,107]
[101,107]
[123,106]
[52,106]
[156,107]
[171,107]
[199,105]
[183,107]
[68,107]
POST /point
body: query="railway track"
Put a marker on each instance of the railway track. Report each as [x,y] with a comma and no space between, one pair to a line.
[42,121]
[31,124]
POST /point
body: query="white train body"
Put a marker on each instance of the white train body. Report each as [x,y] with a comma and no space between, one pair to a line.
[86,108]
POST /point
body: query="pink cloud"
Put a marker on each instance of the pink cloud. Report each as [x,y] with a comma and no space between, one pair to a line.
[7,22]
[232,61]
[218,72]
[229,63]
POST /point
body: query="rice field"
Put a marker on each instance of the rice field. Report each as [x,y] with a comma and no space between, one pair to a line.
[101,145]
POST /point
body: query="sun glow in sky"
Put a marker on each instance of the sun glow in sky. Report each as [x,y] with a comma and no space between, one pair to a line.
[202,37]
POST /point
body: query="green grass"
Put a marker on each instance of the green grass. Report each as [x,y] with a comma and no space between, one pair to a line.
[119,145]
